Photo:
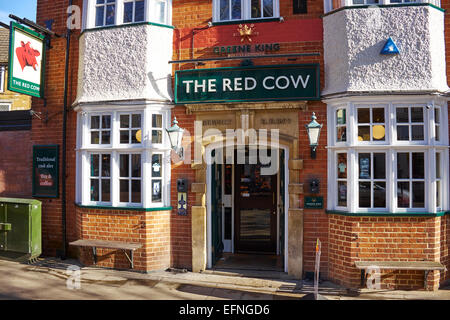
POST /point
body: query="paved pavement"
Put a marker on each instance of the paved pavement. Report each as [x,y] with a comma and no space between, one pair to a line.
[51,278]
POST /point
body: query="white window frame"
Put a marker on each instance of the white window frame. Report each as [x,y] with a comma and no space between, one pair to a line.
[130,129]
[341,125]
[105,5]
[100,130]
[145,149]
[337,179]
[391,147]
[372,180]
[133,15]
[150,14]
[410,124]
[2,79]
[100,178]
[130,179]
[162,169]
[371,124]
[245,11]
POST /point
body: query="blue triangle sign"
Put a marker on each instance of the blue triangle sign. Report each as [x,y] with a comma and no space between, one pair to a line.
[390,47]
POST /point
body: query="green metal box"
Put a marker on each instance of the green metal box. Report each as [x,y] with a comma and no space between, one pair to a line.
[20,229]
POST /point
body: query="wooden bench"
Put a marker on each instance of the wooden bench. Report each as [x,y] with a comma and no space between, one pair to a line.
[94,244]
[426,266]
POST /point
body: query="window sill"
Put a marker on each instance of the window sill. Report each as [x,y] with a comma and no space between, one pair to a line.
[220,23]
[123,208]
[388,214]
[384,6]
[127,25]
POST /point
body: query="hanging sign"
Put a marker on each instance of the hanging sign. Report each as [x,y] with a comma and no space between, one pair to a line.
[243,84]
[45,171]
[26,61]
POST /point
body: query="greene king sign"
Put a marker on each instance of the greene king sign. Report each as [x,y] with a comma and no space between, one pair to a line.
[271,83]
[26,60]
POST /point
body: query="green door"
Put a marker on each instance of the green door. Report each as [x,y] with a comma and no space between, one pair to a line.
[3,230]
[216,212]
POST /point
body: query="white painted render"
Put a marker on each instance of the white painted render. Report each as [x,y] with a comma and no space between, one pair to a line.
[125,63]
[354,38]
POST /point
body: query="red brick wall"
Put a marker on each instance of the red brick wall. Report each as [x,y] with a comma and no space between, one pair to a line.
[15,164]
[383,238]
[445,243]
[151,229]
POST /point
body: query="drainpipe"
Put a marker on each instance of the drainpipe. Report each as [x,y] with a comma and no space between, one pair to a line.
[64,145]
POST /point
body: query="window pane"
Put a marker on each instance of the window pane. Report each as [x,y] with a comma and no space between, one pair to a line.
[416,114]
[364,194]
[438,194]
[156,191]
[378,115]
[236,10]
[124,136]
[139,11]
[341,116]
[134,136]
[124,165]
[156,136]
[342,193]
[100,1]
[418,194]
[379,194]
[106,165]
[268,8]
[110,13]
[418,165]
[364,166]
[157,121]
[224,10]
[95,137]
[95,122]
[136,191]
[363,115]
[99,14]
[156,165]
[136,121]
[128,12]
[379,166]
[106,190]
[341,134]
[438,165]
[106,137]
[402,115]
[403,194]
[124,191]
[95,165]
[363,133]
[342,165]
[403,165]
[106,122]
[403,133]
[417,132]
[95,191]
[437,115]
[256,9]
[124,121]
[161,10]
[136,165]
[438,134]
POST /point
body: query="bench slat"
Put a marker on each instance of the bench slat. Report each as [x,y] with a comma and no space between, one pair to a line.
[106,244]
[401,265]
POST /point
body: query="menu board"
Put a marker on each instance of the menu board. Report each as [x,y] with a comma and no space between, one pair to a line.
[45,171]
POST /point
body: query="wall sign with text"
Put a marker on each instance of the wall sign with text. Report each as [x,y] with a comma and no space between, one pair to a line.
[241,84]
[26,61]
[45,171]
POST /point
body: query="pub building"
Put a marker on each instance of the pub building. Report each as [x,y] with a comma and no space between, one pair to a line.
[177,105]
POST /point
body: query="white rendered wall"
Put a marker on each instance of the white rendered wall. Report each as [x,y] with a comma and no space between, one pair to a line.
[125,63]
[353,39]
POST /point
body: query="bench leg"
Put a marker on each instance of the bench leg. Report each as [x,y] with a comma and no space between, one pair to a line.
[363,277]
[94,253]
[425,279]
[130,257]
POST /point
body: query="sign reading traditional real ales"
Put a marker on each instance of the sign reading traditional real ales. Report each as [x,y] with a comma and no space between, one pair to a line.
[26,61]
[45,171]
[262,83]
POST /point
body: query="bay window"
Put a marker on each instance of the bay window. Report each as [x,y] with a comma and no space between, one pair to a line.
[388,156]
[229,10]
[105,13]
[122,158]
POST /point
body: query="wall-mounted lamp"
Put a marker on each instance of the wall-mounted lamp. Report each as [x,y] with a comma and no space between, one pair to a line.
[313,129]
[175,136]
